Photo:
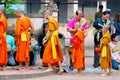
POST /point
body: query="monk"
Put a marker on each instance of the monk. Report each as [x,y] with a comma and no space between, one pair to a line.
[23,24]
[78,49]
[52,53]
[3,43]
[84,26]
[105,56]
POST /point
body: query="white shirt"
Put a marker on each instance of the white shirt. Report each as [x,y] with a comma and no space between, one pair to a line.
[115,55]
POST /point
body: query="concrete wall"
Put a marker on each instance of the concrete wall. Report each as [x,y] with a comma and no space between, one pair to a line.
[89,12]
[37,22]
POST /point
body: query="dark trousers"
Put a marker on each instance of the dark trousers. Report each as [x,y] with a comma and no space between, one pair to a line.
[71,64]
[31,54]
[96,58]
[41,52]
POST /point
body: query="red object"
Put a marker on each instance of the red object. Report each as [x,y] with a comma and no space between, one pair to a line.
[98,50]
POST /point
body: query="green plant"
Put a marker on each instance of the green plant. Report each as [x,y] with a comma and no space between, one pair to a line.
[72,15]
[9,10]
[41,11]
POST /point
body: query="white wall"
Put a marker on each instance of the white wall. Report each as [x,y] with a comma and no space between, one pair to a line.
[37,22]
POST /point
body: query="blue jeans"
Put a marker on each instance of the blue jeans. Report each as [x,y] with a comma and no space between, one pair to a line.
[115,64]
[35,58]
[11,60]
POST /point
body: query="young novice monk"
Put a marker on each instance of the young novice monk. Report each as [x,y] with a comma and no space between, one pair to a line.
[78,49]
[105,56]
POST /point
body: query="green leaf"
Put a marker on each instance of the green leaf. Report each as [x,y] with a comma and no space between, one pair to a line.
[41,11]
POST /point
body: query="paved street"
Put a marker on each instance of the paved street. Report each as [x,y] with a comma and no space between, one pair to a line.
[89,74]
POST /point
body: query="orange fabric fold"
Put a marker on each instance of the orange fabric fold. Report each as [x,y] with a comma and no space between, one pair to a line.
[22,26]
[105,57]
[78,50]
[3,43]
[48,53]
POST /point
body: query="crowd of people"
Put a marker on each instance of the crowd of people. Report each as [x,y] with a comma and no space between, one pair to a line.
[21,50]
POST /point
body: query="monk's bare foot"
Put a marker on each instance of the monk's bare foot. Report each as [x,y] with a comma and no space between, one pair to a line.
[3,69]
[60,72]
[18,68]
[48,70]
[25,69]
[78,75]
[104,75]
[110,72]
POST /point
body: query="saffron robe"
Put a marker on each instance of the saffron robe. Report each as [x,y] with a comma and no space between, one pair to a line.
[105,57]
[78,50]
[22,39]
[52,53]
[3,43]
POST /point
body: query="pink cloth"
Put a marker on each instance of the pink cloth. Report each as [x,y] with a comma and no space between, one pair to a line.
[71,23]
[71,26]
[85,26]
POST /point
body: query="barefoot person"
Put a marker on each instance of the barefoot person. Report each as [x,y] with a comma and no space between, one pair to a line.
[3,43]
[98,24]
[23,23]
[105,56]
[78,50]
[70,28]
[52,53]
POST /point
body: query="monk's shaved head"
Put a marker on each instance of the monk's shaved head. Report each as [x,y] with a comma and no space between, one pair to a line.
[48,13]
[77,25]
[2,11]
[105,28]
[19,12]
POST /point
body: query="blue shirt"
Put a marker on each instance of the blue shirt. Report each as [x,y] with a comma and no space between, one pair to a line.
[10,40]
[117,27]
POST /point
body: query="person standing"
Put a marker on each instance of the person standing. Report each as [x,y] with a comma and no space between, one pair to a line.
[41,37]
[105,56]
[99,13]
[22,34]
[78,50]
[70,28]
[52,52]
[3,43]
[98,24]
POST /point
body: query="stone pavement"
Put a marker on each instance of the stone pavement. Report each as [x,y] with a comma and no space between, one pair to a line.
[89,74]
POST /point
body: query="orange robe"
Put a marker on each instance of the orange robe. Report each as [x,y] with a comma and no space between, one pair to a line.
[105,56]
[22,25]
[50,56]
[3,43]
[78,50]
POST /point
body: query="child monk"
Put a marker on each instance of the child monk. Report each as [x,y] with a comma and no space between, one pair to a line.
[78,49]
[105,56]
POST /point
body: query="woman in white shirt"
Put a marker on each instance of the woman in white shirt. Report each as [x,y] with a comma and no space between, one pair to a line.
[115,54]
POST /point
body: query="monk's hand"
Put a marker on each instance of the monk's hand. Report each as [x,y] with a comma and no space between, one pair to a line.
[44,41]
